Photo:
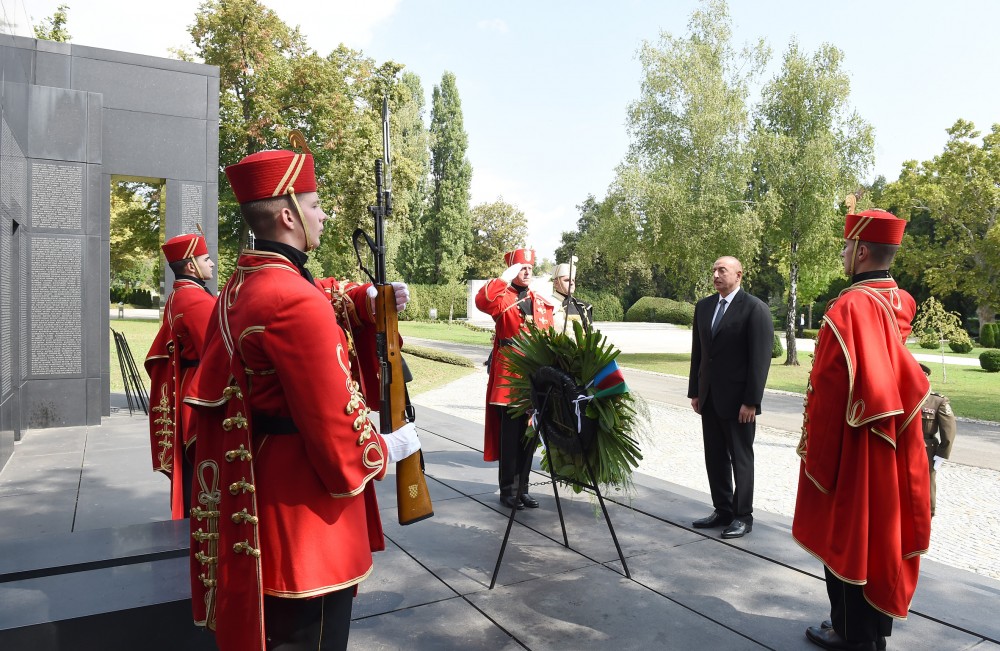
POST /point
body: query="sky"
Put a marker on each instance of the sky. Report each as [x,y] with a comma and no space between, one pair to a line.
[545,85]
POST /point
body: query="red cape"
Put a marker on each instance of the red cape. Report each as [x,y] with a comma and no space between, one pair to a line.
[863,505]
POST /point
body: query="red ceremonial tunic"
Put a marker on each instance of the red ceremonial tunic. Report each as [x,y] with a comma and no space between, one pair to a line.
[499,300]
[285,514]
[863,504]
[171,363]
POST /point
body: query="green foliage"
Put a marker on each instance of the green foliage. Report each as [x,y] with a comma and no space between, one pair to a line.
[444,233]
[53,28]
[989,360]
[270,81]
[810,333]
[616,452]
[653,309]
[776,348]
[137,217]
[810,149]
[988,335]
[933,324]
[443,298]
[928,340]
[960,342]
[687,165]
[952,203]
[135,297]
[438,355]
[607,307]
[497,227]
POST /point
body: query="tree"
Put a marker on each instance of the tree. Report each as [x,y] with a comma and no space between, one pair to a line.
[935,325]
[415,147]
[252,47]
[953,201]
[809,151]
[446,232]
[136,234]
[497,227]
[687,168]
[54,28]
[272,82]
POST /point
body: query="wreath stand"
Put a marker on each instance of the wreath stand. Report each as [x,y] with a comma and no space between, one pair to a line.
[593,485]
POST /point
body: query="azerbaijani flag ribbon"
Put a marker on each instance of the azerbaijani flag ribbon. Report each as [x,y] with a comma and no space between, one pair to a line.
[609,381]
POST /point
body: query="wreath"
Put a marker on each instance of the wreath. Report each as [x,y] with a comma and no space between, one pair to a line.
[578,401]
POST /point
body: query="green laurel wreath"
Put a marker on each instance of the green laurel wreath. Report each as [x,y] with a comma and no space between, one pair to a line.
[616,452]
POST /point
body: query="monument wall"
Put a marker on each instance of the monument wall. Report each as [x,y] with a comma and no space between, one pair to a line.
[71,117]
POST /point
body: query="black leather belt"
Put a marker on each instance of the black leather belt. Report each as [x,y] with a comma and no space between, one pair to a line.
[265,424]
[506,342]
[189,363]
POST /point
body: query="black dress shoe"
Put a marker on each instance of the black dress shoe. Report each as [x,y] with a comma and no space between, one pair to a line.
[828,638]
[510,503]
[714,520]
[529,501]
[880,642]
[737,529]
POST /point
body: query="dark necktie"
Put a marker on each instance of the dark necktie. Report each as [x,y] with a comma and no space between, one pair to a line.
[718,316]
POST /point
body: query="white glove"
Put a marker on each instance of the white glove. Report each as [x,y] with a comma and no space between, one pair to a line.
[510,274]
[401,443]
[938,461]
[402,296]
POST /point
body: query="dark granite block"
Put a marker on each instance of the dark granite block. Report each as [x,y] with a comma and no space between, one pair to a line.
[172,147]
[57,124]
[141,88]
[53,68]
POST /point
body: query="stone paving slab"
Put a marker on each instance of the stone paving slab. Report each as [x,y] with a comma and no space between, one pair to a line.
[595,608]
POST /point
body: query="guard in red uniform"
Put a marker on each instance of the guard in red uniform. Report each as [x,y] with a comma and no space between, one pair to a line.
[286,518]
[863,504]
[513,306]
[171,363]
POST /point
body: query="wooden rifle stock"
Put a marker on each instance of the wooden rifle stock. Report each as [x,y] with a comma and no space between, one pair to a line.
[413,502]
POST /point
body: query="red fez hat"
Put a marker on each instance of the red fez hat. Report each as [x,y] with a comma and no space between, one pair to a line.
[875,226]
[183,247]
[519,256]
[272,173]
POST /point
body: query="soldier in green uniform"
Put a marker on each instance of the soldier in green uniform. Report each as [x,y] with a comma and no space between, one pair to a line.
[939,432]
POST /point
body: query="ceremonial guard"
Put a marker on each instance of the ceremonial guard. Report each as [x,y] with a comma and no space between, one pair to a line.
[570,307]
[171,363]
[863,504]
[513,306]
[286,518]
[939,433]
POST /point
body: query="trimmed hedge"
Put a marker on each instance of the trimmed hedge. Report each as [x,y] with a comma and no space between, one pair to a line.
[653,309]
[810,333]
[989,360]
[438,355]
[607,307]
[929,340]
[776,348]
[136,297]
[440,297]
[988,335]
[960,342]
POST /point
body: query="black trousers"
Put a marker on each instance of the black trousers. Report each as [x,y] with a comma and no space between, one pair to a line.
[728,457]
[315,624]
[853,617]
[514,453]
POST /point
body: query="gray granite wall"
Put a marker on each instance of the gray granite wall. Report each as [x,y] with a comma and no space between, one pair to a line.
[71,117]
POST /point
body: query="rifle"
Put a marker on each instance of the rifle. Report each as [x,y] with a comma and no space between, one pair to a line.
[413,502]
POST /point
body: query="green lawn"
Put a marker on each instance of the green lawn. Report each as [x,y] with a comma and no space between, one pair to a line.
[973,354]
[429,374]
[444,331]
[139,333]
[973,392]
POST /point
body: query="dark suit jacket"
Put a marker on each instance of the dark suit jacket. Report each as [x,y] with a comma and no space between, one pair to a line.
[731,367]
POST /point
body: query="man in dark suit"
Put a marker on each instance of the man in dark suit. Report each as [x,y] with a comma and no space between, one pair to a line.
[731,345]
